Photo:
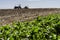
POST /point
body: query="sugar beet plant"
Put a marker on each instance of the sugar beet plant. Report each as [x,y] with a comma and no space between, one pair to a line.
[41,28]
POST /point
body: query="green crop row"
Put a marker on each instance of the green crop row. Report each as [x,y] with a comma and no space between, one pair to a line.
[41,28]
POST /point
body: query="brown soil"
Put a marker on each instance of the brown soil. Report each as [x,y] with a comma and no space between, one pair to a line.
[10,15]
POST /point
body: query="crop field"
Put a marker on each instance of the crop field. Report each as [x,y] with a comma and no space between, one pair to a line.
[30,24]
[41,28]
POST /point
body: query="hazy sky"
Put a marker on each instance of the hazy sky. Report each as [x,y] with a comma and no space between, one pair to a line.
[4,4]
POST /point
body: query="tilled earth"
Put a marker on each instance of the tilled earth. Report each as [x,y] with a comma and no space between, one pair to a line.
[9,15]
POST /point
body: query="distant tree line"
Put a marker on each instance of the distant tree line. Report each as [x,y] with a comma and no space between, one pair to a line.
[19,7]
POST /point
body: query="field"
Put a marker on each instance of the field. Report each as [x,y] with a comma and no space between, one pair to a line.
[10,15]
[30,24]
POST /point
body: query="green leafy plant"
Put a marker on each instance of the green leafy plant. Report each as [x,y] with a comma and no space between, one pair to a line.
[42,28]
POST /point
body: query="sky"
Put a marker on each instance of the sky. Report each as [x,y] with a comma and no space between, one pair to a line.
[9,4]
